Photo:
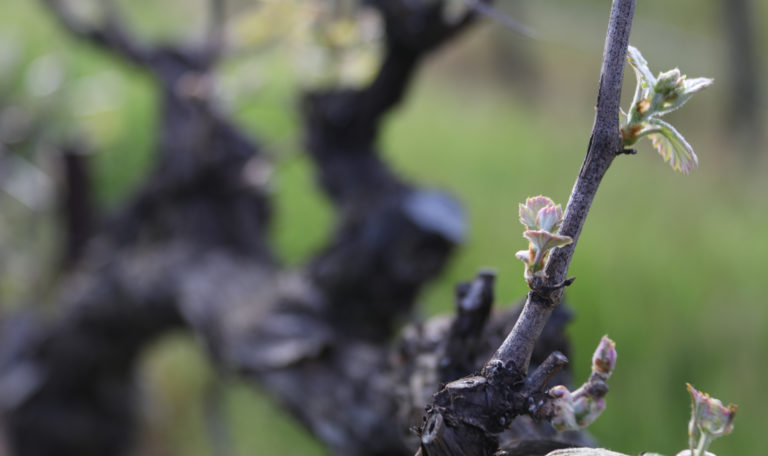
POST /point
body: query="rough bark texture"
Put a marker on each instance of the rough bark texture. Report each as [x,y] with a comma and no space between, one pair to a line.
[188,250]
[467,414]
[604,145]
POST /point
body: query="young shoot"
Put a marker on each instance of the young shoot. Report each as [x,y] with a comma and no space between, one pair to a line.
[578,409]
[542,218]
[656,96]
[710,419]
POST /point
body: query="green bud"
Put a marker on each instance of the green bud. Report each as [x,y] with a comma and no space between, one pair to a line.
[667,81]
[604,358]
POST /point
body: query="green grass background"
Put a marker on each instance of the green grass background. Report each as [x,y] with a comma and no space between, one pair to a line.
[672,267]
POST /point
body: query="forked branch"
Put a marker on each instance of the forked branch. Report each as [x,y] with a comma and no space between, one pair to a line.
[167,62]
[604,145]
[467,414]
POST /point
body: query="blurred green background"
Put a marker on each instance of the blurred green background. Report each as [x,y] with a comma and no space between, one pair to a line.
[672,267]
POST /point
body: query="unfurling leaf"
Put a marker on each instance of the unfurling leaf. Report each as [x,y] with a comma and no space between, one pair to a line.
[543,240]
[672,146]
[691,86]
[645,79]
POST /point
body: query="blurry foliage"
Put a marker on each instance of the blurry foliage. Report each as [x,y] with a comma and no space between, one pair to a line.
[332,43]
[693,266]
[47,101]
[29,121]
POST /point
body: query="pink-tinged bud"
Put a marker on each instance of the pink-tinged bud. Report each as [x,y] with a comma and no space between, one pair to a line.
[537,203]
[550,218]
[604,358]
[560,392]
[574,410]
[709,416]
[587,409]
[530,210]
[580,408]
[564,418]
[542,218]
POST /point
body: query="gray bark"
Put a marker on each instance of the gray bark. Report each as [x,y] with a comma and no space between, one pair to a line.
[467,415]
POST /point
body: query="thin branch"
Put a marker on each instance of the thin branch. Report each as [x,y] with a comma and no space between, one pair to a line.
[216,17]
[554,363]
[488,10]
[604,145]
[111,36]
[420,27]
[412,32]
